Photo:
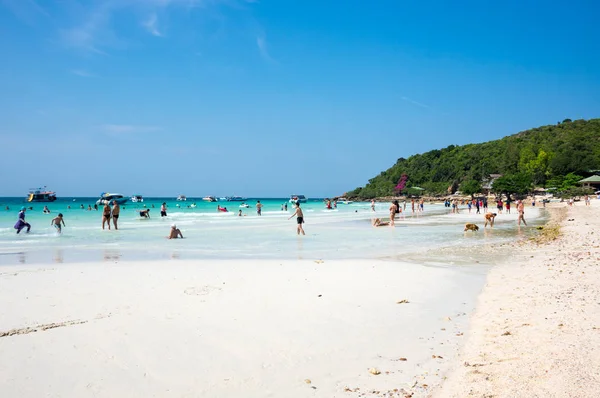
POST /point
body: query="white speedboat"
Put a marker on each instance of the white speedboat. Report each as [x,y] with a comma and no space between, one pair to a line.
[297,198]
[137,198]
[110,198]
[209,199]
[181,197]
[245,205]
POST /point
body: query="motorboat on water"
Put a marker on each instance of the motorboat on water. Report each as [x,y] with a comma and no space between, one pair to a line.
[137,198]
[344,201]
[244,205]
[297,199]
[209,199]
[236,199]
[108,198]
[41,195]
[181,198]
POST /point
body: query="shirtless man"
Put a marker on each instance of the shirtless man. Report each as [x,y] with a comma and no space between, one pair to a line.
[145,213]
[57,221]
[258,208]
[115,213]
[175,233]
[372,204]
[299,218]
[489,217]
[521,210]
[163,210]
[106,215]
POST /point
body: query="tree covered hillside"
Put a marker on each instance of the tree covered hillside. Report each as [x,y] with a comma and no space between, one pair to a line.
[548,156]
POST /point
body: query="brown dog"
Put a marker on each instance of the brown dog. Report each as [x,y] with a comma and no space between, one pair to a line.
[471,227]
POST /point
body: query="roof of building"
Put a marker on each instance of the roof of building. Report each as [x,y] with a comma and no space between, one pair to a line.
[591,179]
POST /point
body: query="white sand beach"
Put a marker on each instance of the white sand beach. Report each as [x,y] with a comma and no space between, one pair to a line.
[536,330]
[228,328]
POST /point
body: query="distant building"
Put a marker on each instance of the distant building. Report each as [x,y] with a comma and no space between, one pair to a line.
[486,183]
[591,182]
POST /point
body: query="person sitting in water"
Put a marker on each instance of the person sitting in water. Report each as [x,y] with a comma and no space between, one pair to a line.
[145,213]
[175,233]
[378,223]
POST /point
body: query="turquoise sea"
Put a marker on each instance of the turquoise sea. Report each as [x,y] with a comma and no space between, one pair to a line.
[342,233]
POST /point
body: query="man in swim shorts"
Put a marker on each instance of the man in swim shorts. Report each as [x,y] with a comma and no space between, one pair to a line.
[21,223]
[56,221]
[145,213]
[163,210]
[115,213]
[299,218]
[106,215]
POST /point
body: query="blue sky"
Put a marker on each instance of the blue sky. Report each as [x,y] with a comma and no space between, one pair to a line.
[269,98]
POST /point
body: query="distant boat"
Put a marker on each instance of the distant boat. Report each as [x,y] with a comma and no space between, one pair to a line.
[137,198]
[209,199]
[108,198]
[235,199]
[344,201]
[181,197]
[41,195]
[297,198]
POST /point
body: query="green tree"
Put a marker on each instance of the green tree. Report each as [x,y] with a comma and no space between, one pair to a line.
[513,184]
[471,187]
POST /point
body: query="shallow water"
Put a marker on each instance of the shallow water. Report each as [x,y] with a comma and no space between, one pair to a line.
[342,233]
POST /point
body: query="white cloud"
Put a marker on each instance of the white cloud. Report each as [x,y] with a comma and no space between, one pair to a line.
[415,102]
[82,73]
[118,129]
[150,25]
[261,43]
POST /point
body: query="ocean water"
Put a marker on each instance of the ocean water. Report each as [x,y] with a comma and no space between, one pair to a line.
[342,233]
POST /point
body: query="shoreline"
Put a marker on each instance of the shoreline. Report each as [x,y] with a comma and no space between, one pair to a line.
[536,322]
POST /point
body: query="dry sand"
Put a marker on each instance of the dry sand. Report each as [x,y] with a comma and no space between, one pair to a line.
[245,328]
[536,329]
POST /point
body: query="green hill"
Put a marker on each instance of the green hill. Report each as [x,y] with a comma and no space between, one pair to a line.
[549,156]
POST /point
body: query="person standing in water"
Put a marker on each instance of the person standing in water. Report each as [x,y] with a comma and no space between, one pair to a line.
[521,210]
[299,218]
[56,222]
[393,211]
[21,223]
[106,215]
[115,213]
[163,210]
[372,204]
[258,208]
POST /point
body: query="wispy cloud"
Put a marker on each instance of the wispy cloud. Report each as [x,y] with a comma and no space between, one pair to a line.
[119,129]
[261,43]
[82,73]
[419,104]
[26,10]
[151,25]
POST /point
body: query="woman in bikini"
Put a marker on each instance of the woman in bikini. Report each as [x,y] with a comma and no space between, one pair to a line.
[106,215]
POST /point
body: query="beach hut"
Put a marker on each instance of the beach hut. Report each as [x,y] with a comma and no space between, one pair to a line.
[591,182]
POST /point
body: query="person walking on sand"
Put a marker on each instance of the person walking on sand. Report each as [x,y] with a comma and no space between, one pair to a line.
[259,208]
[115,213]
[56,222]
[412,203]
[477,207]
[299,218]
[106,215]
[163,209]
[21,223]
[393,211]
[587,200]
[489,217]
[521,210]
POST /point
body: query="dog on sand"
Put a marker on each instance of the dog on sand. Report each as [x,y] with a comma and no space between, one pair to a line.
[471,227]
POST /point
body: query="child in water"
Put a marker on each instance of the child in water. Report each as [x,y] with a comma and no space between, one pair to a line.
[56,221]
